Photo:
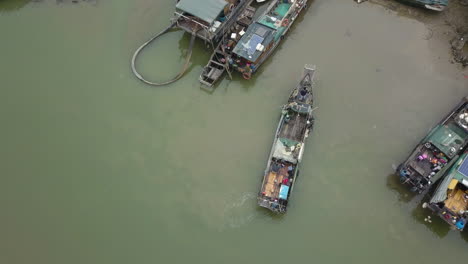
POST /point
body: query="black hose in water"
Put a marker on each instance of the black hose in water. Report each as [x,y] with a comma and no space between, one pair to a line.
[179,75]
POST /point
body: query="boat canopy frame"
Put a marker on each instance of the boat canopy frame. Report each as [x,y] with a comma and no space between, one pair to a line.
[206,10]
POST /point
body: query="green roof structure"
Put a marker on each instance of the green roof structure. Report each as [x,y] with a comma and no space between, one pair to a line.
[448,139]
[206,10]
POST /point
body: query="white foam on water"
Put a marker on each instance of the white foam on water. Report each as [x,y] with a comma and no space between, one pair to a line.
[239,211]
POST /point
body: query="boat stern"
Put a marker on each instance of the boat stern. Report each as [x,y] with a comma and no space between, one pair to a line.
[417,184]
[435,5]
[272,205]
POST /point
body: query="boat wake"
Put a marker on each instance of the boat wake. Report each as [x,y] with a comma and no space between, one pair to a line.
[238,211]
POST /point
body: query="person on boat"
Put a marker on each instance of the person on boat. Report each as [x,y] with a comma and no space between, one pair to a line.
[302,94]
[230,44]
[404,173]
[422,157]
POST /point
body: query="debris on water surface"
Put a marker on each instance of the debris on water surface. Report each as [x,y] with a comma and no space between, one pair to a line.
[459,49]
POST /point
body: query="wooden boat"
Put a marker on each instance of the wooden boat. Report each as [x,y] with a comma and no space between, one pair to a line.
[450,200]
[435,5]
[249,43]
[288,146]
[437,151]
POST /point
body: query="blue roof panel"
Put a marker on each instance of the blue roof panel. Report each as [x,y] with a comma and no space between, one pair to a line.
[463,169]
[254,41]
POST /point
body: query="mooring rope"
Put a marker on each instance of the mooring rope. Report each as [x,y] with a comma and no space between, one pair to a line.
[184,68]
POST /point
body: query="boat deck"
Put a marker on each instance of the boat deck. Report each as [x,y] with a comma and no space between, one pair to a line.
[425,161]
[422,167]
[278,14]
[272,185]
[295,128]
[456,201]
[275,178]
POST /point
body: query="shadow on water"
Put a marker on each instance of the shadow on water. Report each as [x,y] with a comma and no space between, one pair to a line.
[422,215]
[267,213]
[12,5]
[430,220]
[404,194]
[198,48]
[464,235]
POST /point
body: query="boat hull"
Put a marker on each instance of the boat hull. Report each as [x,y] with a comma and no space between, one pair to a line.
[428,4]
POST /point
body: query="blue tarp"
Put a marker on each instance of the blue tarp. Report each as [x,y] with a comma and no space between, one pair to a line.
[283,193]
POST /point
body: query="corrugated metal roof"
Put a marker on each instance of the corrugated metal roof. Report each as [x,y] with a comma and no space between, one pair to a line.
[207,10]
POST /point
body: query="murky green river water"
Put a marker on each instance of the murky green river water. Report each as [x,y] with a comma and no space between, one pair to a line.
[98,168]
